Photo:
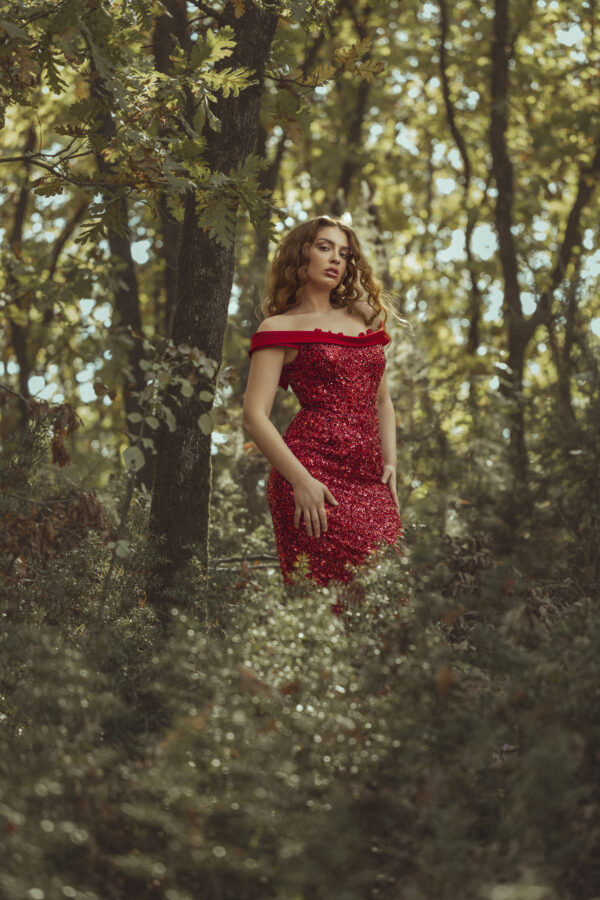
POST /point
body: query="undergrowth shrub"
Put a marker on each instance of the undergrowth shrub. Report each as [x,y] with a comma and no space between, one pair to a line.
[283,751]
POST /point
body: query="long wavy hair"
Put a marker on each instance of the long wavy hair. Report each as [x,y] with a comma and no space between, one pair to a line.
[288,270]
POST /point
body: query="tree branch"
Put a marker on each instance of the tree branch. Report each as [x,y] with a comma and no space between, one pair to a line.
[34,161]
[588,179]
[213,13]
[458,138]
[9,390]
[472,214]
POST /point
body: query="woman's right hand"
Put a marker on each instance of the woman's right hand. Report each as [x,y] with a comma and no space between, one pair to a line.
[309,497]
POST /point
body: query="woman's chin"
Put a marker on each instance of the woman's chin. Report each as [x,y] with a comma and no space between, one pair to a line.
[328,284]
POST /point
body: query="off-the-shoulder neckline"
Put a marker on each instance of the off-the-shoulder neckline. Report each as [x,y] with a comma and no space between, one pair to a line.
[322,331]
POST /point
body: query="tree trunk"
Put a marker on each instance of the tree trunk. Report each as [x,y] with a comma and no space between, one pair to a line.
[18,331]
[169,30]
[126,293]
[182,485]
[512,383]
[475,300]
[520,330]
[351,165]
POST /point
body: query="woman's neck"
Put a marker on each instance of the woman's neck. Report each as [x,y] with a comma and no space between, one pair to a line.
[313,300]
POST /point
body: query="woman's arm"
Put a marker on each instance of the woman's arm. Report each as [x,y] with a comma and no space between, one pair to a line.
[310,494]
[263,380]
[387,432]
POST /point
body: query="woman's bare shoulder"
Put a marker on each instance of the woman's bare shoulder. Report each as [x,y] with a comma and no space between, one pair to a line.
[363,307]
[281,322]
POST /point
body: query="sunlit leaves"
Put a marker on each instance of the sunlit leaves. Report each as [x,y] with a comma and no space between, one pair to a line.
[110,216]
[221,195]
[229,81]
[52,63]
[353,61]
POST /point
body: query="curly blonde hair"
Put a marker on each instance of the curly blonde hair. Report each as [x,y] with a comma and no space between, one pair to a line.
[290,263]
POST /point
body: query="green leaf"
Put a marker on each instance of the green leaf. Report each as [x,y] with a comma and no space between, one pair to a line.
[13,30]
[214,123]
[221,43]
[175,207]
[170,419]
[122,549]
[133,459]
[135,417]
[48,186]
[219,216]
[94,233]
[229,81]
[152,422]
[205,423]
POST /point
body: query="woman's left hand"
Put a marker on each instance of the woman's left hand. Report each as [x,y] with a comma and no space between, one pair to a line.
[389,478]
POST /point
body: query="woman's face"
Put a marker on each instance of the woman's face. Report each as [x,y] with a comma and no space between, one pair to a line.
[328,257]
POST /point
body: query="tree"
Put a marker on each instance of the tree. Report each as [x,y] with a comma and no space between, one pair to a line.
[182,486]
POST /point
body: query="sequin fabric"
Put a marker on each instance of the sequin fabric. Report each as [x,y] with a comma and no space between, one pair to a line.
[335,435]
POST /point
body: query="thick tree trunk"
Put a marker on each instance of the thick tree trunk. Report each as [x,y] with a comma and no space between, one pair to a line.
[182,485]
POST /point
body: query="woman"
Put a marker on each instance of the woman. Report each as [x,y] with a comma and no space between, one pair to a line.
[332,484]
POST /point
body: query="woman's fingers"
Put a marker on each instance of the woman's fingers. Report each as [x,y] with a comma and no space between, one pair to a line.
[314,519]
[323,518]
[389,478]
[315,522]
[314,514]
[309,518]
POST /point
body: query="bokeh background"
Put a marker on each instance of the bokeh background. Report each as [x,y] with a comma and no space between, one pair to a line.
[173,724]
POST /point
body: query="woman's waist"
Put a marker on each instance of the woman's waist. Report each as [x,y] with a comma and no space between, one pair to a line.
[332,436]
[338,407]
[359,417]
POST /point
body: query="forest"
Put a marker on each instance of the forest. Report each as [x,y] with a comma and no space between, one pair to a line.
[175,723]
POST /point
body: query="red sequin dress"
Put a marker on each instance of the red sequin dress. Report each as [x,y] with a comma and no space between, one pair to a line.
[335,435]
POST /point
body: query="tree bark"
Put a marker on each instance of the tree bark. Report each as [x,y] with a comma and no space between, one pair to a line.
[475,302]
[520,330]
[126,293]
[179,519]
[512,383]
[17,330]
[352,160]
[168,31]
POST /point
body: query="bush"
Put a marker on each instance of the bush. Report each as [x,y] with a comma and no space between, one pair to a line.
[273,749]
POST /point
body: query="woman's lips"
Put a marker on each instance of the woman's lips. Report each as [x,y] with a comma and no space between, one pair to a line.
[332,273]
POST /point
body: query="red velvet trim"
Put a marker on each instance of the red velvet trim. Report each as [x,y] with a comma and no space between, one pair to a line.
[317,336]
